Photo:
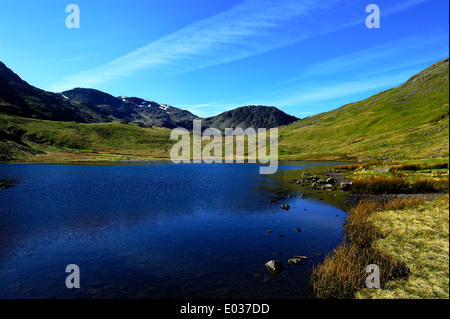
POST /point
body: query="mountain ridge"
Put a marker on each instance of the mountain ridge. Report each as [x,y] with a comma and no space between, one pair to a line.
[86,105]
[410,121]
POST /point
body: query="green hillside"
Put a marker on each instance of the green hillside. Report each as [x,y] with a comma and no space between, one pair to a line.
[406,122]
[24,138]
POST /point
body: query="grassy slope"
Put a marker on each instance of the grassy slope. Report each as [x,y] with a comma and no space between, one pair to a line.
[101,139]
[409,121]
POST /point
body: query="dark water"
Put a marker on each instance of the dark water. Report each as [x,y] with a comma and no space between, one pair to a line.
[158,231]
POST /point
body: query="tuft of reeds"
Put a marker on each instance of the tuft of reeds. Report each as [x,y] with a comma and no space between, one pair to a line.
[417,167]
[352,167]
[405,167]
[399,185]
[344,271]
[437,166]
[380,185]
[348,167]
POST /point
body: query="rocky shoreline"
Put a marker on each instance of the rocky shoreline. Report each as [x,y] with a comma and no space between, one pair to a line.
[331,183]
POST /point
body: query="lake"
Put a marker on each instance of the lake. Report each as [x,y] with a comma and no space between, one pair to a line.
[159,231]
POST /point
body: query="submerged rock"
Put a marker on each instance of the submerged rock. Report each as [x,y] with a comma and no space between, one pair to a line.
[295,261]
[345,186]
[301,257]
[275,267]
[285,207]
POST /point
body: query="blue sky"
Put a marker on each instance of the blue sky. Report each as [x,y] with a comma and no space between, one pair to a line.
[208,56]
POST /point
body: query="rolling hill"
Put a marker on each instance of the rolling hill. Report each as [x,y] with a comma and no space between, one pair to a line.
[405,122]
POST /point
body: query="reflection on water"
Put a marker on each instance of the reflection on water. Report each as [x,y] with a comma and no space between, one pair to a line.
[7,183]
[158,231]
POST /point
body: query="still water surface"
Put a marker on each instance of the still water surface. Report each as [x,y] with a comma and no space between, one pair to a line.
[158,231]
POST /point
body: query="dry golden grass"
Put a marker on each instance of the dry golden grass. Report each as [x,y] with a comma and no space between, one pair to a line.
[419,237]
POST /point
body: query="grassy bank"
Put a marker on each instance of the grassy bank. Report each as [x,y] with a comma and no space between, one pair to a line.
[418,237]
[407,238]
[27,139]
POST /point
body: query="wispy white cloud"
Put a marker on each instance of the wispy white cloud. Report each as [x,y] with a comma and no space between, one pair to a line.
[316,94]
[389,56]
[404,5]
[256,26]
[250,28]
[375,68]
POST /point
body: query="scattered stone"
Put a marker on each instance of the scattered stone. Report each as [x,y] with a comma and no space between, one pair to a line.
[275,267]
[301,257]
[331,180]
[295,261]
[345,186]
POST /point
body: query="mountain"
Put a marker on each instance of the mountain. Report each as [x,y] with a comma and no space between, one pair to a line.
[19,98]
[129,109]
[408,121]
[256,116]
[86,105]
